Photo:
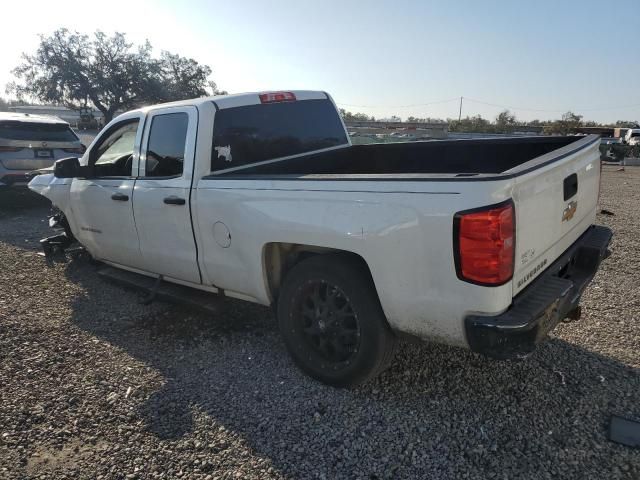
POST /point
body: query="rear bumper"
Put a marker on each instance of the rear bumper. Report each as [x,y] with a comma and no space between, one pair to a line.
[549,299]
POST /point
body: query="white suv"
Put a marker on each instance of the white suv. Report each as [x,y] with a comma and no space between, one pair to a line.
[31,142]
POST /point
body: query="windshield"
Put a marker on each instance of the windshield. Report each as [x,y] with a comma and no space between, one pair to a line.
[42,132]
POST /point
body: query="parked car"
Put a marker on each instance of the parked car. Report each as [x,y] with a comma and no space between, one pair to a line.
[610,140]
[484,244]
[31,142]
[607,146]
[632,137]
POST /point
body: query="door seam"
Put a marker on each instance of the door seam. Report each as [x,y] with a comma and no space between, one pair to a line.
[193,170]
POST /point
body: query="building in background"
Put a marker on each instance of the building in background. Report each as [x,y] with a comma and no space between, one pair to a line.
[73,117]
[383,131]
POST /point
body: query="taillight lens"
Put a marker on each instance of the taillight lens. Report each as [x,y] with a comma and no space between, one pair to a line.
[485,244]
[10,149]
[273,97]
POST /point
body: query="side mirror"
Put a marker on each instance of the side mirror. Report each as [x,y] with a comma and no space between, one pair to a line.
[67,168]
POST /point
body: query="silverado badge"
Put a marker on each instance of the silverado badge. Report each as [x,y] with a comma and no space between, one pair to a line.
[570,211]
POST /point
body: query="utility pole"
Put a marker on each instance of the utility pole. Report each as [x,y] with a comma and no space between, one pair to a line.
[460,113]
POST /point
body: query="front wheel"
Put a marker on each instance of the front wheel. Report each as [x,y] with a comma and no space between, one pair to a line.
[332,322]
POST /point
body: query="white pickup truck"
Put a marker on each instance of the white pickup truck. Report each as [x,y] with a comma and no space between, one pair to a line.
[484,244]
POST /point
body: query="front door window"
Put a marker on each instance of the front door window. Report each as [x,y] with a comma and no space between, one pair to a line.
[113,157]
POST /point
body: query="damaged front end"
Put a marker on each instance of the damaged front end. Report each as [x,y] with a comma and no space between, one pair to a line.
[57,244]
[57,191]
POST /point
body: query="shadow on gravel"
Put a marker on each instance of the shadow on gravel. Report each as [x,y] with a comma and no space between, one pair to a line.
[438,411]
[15,200]
[24,216]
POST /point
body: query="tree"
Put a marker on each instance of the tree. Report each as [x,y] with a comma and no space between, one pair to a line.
[627,124]
[571,119]
[471,125]
[72,69]
[567,124]
[184,78]
[355,117]
[505,122]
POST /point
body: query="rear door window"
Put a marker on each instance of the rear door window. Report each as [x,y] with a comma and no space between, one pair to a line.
[254,133]
[41,132]
[167,140]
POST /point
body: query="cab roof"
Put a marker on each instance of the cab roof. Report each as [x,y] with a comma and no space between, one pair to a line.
[240,99]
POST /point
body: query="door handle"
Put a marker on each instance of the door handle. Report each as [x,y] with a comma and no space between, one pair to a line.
[570,185]
[120,196]
[173,200]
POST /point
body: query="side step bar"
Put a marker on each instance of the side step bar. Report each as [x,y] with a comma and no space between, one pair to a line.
[154,287]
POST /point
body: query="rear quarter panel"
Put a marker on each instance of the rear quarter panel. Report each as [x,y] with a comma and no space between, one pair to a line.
[403,230]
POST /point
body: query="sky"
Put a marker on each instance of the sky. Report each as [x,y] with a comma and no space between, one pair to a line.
[409,58]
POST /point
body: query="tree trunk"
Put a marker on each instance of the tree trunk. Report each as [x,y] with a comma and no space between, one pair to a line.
[109,113]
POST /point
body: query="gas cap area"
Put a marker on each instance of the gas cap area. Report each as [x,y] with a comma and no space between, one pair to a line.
[221,234]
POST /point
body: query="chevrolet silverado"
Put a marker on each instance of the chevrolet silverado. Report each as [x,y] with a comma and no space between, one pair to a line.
[484,244]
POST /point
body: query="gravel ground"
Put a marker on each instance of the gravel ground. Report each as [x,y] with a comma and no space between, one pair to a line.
[95,385]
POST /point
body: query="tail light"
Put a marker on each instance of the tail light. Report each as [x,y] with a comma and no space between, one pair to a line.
[274,97]
[484,244]
[10,149]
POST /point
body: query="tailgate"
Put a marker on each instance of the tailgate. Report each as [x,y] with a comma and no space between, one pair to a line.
[555,202]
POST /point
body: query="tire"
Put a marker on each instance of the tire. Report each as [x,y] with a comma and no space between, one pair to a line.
[332,323]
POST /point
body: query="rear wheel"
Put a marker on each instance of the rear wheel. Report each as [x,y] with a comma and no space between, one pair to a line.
[332,322]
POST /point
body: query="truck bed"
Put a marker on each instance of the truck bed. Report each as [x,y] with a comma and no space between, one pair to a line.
[453,157]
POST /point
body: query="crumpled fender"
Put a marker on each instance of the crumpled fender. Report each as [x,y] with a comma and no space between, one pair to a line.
[55,189]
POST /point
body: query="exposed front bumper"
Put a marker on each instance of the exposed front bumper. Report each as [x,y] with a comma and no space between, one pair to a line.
[537,309]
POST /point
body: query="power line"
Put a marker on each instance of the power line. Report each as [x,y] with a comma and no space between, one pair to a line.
[618,107]
[512,108]
[400,106]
